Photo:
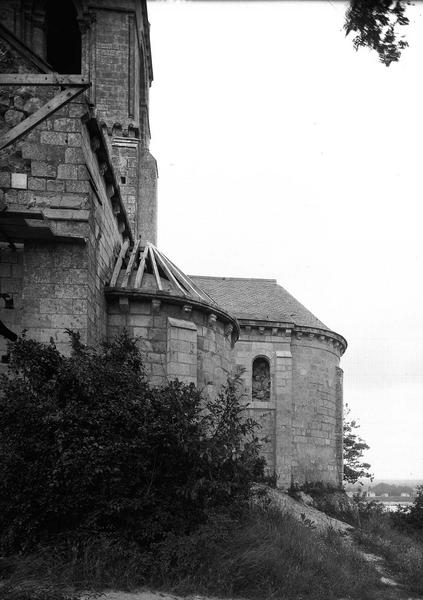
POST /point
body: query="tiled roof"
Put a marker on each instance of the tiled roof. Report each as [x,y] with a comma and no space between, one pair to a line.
[261,299]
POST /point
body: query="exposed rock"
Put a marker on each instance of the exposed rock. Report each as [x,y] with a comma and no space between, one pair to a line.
[13,117]
[33,104]
[300,510]
[4,101]
[18,102]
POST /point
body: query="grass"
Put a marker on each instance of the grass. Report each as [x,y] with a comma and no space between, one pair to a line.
[402,549]
[265,554]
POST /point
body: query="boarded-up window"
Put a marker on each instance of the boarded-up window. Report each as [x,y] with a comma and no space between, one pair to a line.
[261,379]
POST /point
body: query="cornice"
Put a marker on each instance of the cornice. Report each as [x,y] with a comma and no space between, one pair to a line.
[293,331]
[213,313]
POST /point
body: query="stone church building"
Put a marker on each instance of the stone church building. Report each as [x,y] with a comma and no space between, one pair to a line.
[78,220]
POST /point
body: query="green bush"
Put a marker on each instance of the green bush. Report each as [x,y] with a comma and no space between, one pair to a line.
[88,446]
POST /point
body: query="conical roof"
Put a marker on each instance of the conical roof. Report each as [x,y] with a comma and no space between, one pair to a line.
[146,269]
[258,299]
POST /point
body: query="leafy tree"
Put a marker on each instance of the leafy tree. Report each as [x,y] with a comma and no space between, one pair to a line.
[411,517]
[377,24]
[354,448]
[88,446]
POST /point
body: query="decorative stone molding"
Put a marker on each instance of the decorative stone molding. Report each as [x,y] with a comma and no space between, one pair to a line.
[212,320]
[103,175]
[123,304]
[228,330]
[187,309]
[334,341]
[155,305]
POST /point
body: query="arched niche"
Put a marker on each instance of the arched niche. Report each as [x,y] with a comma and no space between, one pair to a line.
[63,36]
[261,382]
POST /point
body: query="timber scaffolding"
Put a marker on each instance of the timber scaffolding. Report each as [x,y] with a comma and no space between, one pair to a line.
[145,274]
[148,268]
[20,224]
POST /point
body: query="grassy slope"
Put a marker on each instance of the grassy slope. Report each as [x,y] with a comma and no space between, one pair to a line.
[402,550]
[266,554]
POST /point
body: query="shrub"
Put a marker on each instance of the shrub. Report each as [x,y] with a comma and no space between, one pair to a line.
[88,446]
[411,517]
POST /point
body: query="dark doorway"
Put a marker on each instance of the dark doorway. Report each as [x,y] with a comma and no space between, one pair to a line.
[63,37]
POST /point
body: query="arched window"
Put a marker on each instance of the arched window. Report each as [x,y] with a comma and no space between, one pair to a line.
[63,37]
[261,379]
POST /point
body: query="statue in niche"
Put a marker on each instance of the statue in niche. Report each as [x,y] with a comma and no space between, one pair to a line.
[261,380]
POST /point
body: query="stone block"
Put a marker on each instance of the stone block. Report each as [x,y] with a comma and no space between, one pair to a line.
[35,183]
[67,124]
[54,138]
[13,117]
[76,110]
[5,270]
[57,306]
[19,181]
[54,185]
[11,285]
[63,290]
[69,321]
[140,308]
[43,169]
[78,187]
[33,104]
[67,172]
[4,179]
[74,140]
[140,320]
[83,173]
[74,155]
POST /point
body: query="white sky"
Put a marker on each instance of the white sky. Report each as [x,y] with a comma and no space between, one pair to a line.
[285,154]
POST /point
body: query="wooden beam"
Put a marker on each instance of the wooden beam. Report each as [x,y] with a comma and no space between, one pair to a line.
[169,273]
[130,264]
[119,262]
[155,269]
[141,268]
[42,79]
[190,284]
[24,127]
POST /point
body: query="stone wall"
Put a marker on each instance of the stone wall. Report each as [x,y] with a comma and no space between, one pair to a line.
[175,342]
[302,420]
[317,404]
[11,275]
[57,172]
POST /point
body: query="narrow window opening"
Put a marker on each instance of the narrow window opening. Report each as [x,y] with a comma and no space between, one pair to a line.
[63,37]
[261,379]
[123,180]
